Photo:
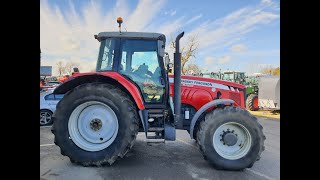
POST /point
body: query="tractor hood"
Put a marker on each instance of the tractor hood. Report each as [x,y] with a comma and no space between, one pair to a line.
[201,80]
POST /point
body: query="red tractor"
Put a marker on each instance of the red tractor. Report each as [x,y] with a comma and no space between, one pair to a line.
[101,113]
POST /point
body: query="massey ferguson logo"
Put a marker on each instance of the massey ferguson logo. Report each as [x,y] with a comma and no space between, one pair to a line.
[188,82]
[199,83]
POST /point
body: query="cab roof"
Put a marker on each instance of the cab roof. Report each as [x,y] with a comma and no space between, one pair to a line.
[134,35]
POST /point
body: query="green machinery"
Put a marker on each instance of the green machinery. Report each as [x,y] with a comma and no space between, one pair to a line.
[214,75]
[251,83]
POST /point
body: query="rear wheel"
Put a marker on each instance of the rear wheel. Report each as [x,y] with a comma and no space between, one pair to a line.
[94,124]
[252,102]
[230,138]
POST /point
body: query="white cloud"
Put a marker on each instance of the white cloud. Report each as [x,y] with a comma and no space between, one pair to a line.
[239,48]
[209,60]
[266,1]
[261,53]
[224,60]
[143,14]
[173,13]
[194,19]
[70,36]
[221,32]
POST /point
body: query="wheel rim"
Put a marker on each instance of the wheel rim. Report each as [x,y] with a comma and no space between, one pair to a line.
[45,117]
[232,141]
[255,103]
[93,126]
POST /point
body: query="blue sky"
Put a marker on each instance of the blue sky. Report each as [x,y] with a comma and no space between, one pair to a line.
[232,34]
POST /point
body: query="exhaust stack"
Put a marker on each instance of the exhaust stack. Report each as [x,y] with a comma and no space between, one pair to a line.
[177,83]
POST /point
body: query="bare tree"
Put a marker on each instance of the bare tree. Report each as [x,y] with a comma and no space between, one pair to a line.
[60,68]
[192,68]
[69,67]
[187,51]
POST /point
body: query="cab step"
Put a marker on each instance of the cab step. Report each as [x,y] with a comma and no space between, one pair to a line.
[155,129]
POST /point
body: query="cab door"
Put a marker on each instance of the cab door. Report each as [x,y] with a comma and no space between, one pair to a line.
[140,63]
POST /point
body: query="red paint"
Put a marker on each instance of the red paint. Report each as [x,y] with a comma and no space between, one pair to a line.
[194,95]
[133,90]
[63,78]
[255,103]
[197,96]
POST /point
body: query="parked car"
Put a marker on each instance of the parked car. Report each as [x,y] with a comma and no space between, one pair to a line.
[48,103]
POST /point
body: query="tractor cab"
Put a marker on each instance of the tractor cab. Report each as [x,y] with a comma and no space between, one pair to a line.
[214,75]
[138,56]
[233,76]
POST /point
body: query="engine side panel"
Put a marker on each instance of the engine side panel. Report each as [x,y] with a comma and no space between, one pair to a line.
[197,91]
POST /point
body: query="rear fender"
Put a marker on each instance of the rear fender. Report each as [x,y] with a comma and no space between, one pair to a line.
[111,78]
[206,107]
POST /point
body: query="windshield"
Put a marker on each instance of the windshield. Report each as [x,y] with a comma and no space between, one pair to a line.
[240,75]
[106,54]
[228,77]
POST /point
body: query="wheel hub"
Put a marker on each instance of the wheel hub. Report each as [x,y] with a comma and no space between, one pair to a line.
[229,139]
[93,126]
[232,140]
[96,124]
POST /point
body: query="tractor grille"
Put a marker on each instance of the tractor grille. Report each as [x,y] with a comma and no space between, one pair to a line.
[236,97]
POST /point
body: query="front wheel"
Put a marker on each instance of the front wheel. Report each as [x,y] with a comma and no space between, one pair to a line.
[231,138]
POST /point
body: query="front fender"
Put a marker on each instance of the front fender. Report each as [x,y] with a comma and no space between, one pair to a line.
[206,107]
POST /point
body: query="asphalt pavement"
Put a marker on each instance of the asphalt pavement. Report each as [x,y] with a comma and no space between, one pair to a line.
[180,159]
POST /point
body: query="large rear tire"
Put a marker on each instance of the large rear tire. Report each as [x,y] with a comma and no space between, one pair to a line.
[252,102]
[230,138]
[94,124]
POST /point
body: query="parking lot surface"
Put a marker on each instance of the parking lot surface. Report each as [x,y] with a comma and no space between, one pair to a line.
[179,159]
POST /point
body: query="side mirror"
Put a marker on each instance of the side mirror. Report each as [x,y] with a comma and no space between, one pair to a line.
[75,69]
[167,62]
